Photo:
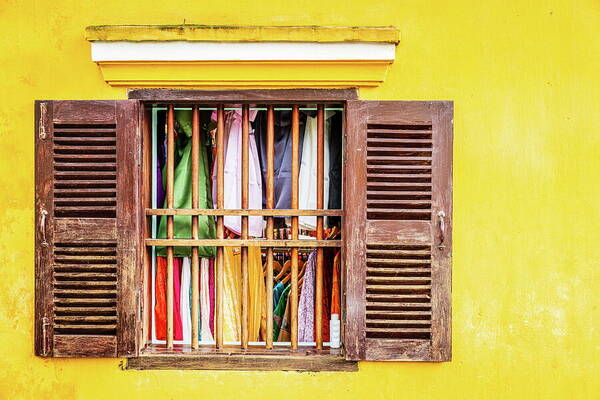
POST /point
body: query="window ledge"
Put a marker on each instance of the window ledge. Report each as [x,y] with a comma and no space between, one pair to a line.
[242,362]
[224,57]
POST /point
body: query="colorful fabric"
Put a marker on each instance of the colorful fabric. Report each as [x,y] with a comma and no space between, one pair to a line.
[280,312]
[205,331]
[306,304]
[185,301]
[232,294]
[335,285]
[233,174]
[183,191]
[277,290]
[160,309]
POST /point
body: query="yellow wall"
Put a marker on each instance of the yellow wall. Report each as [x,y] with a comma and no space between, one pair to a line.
[525,81]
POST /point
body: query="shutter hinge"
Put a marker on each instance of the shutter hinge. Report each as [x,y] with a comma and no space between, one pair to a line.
[45,324]
[42,122]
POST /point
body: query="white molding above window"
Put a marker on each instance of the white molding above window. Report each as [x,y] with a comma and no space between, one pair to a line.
[273,57]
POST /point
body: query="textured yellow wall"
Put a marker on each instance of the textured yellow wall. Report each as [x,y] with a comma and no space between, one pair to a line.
[525,81]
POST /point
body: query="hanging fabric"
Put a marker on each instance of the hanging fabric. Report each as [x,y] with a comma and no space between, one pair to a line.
[233,175]
[205,331]
[283,153]
[160,309]
[307,197]
[185,302]
[306,305]
[183,190]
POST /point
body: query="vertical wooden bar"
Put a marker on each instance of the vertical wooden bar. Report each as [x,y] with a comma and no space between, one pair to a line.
[220,227]
[244,205]
[320,206]
[294,205]
[195,204]
[170,227]
[270,204]
[148,172]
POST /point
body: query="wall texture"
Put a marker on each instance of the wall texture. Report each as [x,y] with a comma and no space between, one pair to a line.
[524,78]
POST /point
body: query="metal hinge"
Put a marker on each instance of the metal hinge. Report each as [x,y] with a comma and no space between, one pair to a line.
[42,122]
[45,324]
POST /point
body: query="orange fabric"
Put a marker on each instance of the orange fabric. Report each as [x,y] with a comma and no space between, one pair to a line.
[335,285]
[160,308]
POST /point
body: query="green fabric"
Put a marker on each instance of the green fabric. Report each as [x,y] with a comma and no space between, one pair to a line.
[183,191]
[280,311]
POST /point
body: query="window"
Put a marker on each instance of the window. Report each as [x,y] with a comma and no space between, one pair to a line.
[94,237]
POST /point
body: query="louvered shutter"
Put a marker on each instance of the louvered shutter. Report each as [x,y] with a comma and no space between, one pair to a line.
[87,220]
[398,225]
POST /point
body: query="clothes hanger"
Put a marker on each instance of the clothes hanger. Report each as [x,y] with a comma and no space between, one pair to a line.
[286,267]
[289,276]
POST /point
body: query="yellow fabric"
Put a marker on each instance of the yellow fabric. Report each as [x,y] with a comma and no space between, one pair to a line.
[232,295]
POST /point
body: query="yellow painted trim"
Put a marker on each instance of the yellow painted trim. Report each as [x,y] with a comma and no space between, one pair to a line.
[214,33]
[329,74]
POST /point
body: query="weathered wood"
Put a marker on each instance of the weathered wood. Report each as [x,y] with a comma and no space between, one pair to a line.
[355,180]
[248,242]
[294,205]
[244,225]
[247,212]
[408,183]
[320,202]
[274,96]
[146,252]
[441,292]
[270,204]
[90,168]
[220,282]
[84,346]
[195,203]
[170,219]
[242,362]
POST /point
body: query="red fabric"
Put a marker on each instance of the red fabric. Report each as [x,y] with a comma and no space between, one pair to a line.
[335,285]
[160,308]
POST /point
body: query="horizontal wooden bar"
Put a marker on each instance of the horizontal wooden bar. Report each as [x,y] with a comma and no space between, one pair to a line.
[259,212]
[274,96]
[243,242]
[249,362]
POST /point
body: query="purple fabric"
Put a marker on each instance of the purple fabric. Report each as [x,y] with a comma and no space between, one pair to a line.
[306,305]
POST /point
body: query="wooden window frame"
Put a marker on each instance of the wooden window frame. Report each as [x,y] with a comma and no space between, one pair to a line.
[417,135]
[153,358]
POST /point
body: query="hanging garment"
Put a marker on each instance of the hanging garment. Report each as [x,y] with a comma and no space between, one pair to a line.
[306,304]
[211,285]
[284,332]
[307,199]
[233,175]
[277,290]
[205,331]
[283,153]
[328,256]
[160,158]
[160,308]
[280,312]
[185,301]
[183,191]
[232,294]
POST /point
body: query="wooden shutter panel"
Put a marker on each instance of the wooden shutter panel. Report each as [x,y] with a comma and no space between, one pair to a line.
[398,199]
[87,228]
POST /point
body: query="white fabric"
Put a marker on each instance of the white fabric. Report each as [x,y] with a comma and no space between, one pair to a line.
[186,317]
[205,332]
[233,175]
[307,195]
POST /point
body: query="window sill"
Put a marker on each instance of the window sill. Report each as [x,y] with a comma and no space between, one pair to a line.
[253,360]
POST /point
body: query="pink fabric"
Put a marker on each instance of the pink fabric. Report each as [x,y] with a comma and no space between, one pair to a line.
[177,325]
[211,285]
[233,174]
[306,304]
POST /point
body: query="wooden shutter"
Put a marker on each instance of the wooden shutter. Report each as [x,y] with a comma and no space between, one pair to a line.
[398,199]
[87,228]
